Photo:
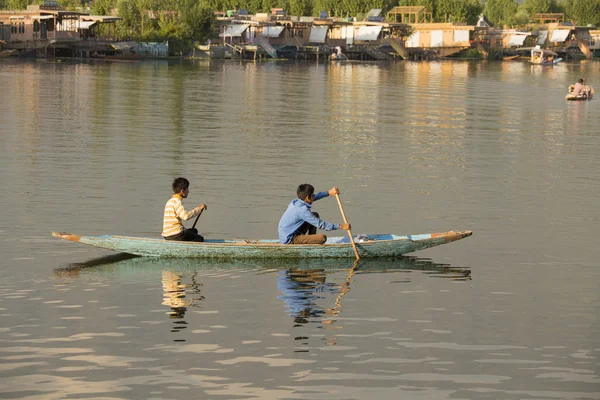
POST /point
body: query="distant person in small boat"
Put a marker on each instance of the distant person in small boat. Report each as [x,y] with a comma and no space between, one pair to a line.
[578,89]
[299,224]
[173,229]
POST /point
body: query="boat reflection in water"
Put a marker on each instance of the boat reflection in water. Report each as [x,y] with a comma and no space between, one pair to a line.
[302,288]
[307,287]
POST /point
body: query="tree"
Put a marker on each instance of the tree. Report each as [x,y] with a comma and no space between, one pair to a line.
[500,12]
[103,7]
[196,20]
[144,6]
[301,7]
[533,7]
[333,7]
[461,11]
[70,4]
[583,12]
[353,7]
[130,15]
[16,4]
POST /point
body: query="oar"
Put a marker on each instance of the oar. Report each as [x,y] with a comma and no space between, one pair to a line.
[193,226]
[337,196]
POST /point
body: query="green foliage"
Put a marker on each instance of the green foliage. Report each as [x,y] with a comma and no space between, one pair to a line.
[458,11]
[333,7]
[196,20]
[533,7]
[583,12]
[70,4]
[16,4]
[104,7]
[500,12]
[471,53]
[128,10]
[354,7]
[521,18]
[430,4]
[301,7]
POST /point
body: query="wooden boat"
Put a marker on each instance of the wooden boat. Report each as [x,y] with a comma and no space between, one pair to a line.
[510,58]
[587,94]
[380,245]
[127,265]
[541,56]
[7,53]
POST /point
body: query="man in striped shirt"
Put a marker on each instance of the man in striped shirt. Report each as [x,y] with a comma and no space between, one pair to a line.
[173,229]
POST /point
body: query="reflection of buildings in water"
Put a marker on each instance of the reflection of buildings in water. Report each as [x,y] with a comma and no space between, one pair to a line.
[350,95]
[429,106]
[354,113]
[176,296]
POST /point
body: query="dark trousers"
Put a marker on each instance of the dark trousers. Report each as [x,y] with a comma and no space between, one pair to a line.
[307,234]
[306,228]
[188,235]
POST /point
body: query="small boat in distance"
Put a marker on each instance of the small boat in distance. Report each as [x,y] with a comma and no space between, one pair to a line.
[371,246]
[586,94]
[541,56]
[8,53]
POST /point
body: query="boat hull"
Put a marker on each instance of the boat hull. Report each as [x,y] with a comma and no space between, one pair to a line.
[588,94]
[377,246]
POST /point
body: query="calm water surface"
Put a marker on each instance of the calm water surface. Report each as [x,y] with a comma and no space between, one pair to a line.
[509,313]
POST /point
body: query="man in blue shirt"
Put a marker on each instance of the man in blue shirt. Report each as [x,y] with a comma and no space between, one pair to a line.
[299,224]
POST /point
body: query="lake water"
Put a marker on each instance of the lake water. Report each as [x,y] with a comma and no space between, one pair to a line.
[509,313]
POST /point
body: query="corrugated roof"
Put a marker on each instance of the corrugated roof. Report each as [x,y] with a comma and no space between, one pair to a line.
[234,30]
[272,31]
[368,32]
[86,24]
[560,35]
[542,36]
[516,40]
[318,34]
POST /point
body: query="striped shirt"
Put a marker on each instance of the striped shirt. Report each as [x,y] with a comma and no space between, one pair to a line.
[174,213]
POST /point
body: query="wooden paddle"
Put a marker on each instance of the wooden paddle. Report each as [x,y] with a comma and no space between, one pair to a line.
[337,196]
[193,226]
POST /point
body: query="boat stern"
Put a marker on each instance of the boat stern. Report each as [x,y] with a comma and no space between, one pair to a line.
[66,236]
[451,236]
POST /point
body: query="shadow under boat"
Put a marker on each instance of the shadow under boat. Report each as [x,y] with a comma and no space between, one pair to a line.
[124,263]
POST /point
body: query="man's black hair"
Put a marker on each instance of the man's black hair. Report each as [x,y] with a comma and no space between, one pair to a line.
[305,190]
[180,183]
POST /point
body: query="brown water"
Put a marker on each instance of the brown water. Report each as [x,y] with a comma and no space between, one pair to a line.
[509,313]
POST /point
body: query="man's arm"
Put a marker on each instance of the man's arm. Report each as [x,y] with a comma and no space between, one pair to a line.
[331,192]
[319,223]
[181,212]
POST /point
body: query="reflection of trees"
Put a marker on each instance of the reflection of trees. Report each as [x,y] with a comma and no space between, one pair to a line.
[179,296]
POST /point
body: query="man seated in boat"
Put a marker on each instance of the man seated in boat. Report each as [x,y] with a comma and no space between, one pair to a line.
[173,229]
[299,224]
[578,89]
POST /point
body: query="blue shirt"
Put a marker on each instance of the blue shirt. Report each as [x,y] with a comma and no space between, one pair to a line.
[297,213]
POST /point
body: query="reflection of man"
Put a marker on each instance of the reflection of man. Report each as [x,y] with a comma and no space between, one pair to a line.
[174,294]
[300,289]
